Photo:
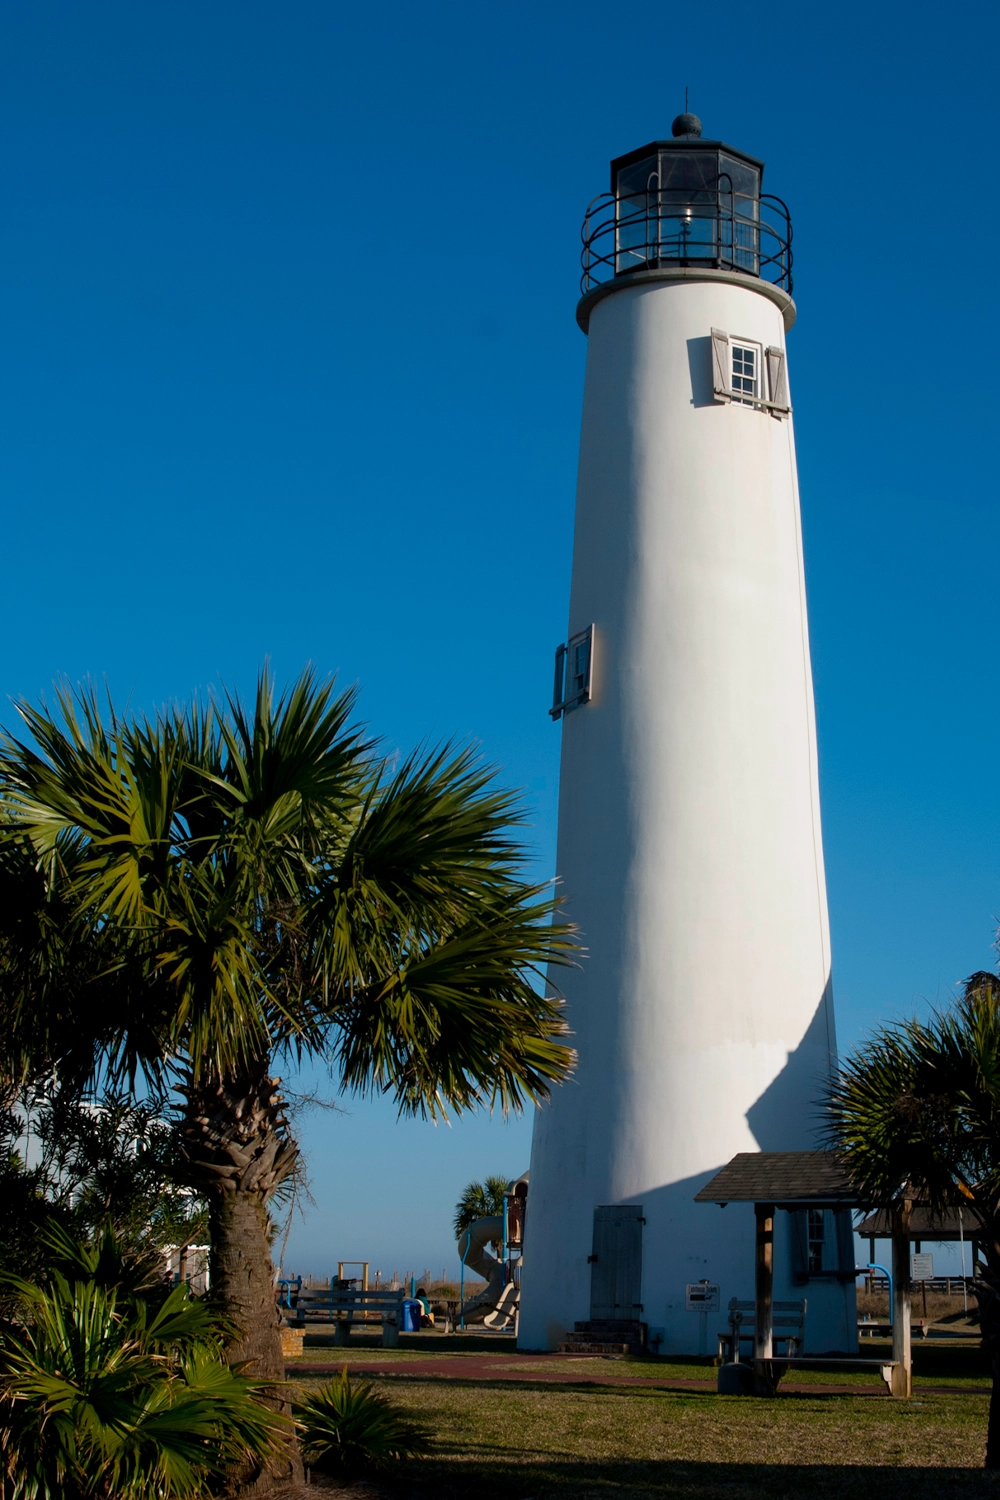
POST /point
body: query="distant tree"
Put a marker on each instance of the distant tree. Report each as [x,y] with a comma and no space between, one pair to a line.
[106,1165]
[480,1200]
[915,1115]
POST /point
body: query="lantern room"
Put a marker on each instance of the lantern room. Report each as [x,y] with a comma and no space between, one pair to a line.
[687,202]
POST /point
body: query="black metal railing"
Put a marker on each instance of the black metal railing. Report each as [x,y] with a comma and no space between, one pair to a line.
[673,227]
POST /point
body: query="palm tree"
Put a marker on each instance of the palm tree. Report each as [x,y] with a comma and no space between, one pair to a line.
[480,1200]
[220,888]
[915,1113]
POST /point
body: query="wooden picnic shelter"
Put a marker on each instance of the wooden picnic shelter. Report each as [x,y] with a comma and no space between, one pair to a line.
[952,1225]
[792,1181]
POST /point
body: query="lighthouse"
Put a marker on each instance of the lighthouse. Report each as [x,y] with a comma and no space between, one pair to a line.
[690,850]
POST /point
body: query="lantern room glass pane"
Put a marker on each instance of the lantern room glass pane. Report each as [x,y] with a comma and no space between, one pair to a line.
[691,206]
[636,188]
[739,213]
[743,179]
[691,174]
[640,177]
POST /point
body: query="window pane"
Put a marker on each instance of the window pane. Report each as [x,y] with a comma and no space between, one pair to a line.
[581,663]
[744,178]
[817,1237]
[640,177]
[690,173]
[746,372]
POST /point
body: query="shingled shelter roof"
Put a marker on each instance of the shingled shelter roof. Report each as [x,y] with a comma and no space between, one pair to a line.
[925,1225]
[786,1178]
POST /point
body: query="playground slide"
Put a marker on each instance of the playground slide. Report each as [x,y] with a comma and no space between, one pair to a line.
[496,1304]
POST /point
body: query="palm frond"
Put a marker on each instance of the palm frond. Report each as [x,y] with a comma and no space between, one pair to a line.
[479,1200]
[915,1112]
[103,1393]
[258,878]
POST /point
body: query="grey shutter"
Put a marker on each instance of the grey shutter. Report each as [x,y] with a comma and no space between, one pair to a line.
[721,364]
[799,1235]
[777,383]
[844,1234]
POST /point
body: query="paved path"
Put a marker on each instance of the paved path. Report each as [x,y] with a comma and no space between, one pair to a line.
[529,1368]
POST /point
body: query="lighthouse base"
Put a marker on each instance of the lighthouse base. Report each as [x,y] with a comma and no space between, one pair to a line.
[683,1244]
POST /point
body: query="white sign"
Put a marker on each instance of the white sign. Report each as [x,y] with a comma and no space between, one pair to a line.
[922,1267]
[701,1296]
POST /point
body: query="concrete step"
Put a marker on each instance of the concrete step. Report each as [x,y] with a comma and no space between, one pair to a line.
[582,1346]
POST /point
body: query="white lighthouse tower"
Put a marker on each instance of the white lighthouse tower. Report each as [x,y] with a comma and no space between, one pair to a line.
[690,849]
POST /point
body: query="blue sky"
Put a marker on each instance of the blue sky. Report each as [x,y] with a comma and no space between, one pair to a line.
[289,368]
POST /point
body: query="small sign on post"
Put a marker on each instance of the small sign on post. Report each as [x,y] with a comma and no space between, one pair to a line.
[922,1267]
[702,1297]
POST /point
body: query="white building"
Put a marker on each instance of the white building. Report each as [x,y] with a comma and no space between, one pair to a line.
[690,850]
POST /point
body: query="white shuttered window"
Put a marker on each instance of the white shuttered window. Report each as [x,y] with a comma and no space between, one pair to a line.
[748,374]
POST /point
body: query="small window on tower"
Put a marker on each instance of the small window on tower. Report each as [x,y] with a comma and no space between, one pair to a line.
[574,663]
[746,373]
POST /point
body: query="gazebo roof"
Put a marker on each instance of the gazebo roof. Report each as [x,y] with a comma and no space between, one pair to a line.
[789,1179]
[925,1225]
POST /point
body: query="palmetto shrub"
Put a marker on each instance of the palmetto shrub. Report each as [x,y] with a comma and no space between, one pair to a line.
[348,1426]
[106,1392]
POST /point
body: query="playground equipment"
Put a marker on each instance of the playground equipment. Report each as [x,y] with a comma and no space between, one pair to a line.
[496,1305]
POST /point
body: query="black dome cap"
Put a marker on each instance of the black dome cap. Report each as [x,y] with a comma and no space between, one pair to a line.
[686,125]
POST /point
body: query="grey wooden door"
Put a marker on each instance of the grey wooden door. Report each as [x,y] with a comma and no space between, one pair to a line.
[616,1264]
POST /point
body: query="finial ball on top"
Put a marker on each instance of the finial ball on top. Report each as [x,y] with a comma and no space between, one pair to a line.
[686,125]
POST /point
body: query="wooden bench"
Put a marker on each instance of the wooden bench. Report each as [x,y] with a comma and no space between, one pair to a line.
[883,1329]
[772,1371]
[345,1305]
[789,1321]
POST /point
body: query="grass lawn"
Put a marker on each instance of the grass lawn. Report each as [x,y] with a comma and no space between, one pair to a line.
[497,1440]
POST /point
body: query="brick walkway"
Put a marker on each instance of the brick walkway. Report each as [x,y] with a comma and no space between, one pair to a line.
[564,1369]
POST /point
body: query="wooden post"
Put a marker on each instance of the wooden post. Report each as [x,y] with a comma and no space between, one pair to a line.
[902,1375]
[764,1282]
[763,1326]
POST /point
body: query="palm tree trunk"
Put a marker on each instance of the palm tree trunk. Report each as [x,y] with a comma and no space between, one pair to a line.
[238,1150]
[993,1425]
[242,1282]
[987,1293]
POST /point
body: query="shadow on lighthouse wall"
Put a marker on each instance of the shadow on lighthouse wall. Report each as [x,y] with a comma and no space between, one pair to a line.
[702,377]
[788,1114]
[786,1117]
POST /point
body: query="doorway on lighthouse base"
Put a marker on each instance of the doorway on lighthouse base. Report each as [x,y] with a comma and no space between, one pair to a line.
[616,1264]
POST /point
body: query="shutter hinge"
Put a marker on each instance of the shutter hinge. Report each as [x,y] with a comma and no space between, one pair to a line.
[591,1260]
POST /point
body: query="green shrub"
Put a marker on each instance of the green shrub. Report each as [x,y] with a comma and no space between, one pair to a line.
[105,1393]
[348,1426]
